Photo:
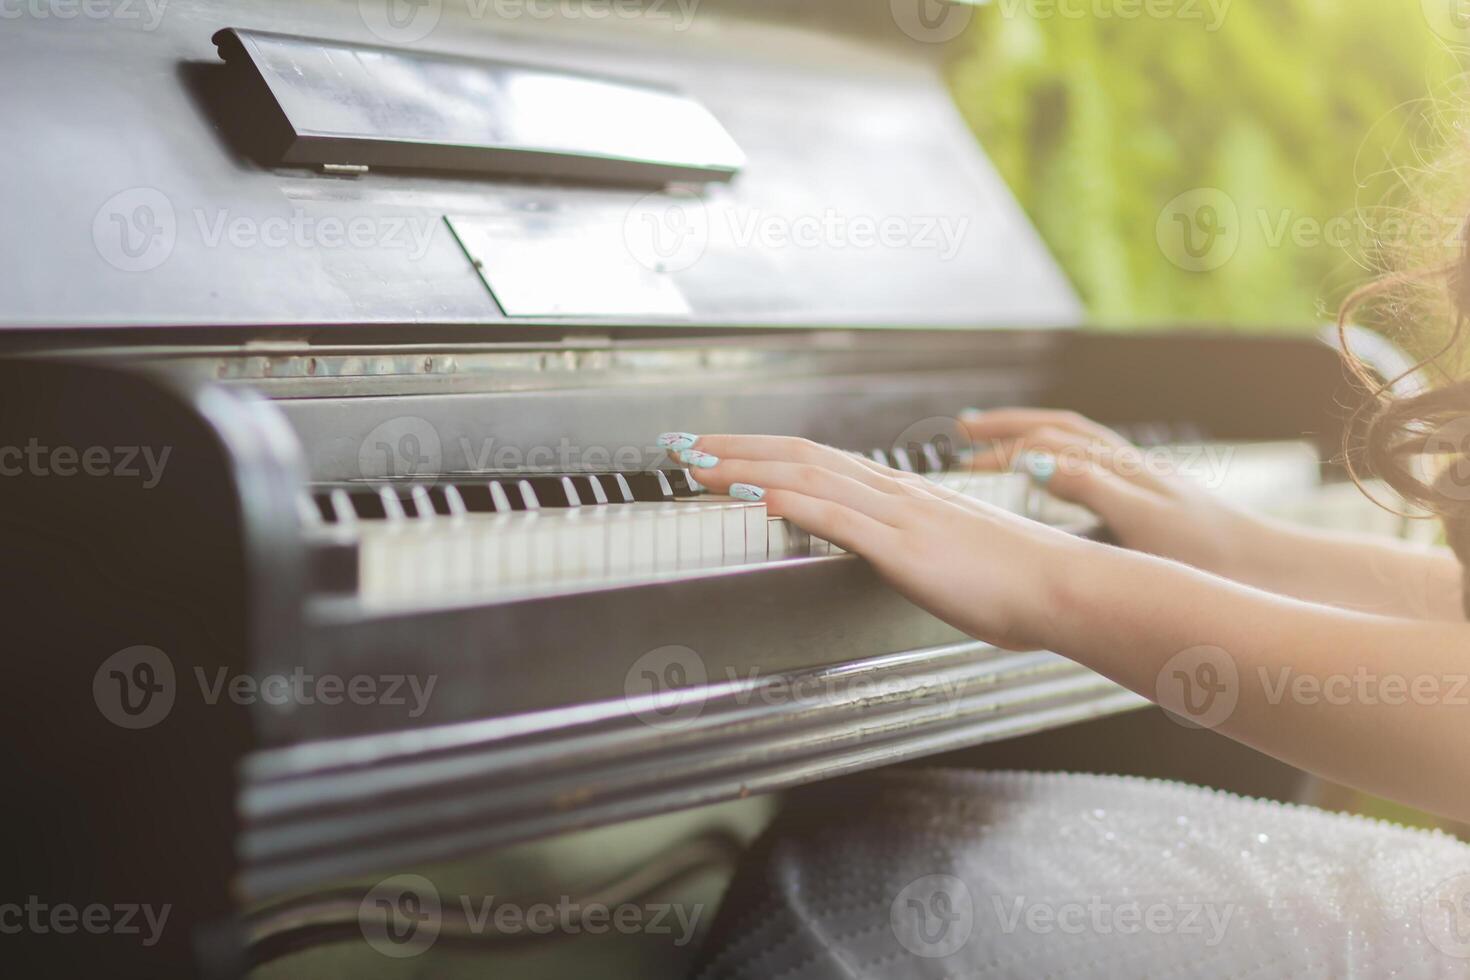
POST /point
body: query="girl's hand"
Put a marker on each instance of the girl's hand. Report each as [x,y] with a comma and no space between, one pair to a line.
[990,573]
[1161,513]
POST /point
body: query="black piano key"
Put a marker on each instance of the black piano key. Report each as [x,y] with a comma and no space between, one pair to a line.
[554,491]
[681,483]
[930,461]
[618,488]
[439,500]
[649,486]
[477,497]
[529,498]
[368,504]
[322,500]
[589,488]
[410,500]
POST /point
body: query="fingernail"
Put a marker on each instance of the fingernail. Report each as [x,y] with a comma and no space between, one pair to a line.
[744,491]
[693,457]
[971,413]
[1040,466]
[675,441]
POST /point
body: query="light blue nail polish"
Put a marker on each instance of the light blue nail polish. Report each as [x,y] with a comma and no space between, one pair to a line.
[970,413]
[693,457]
[1040,466]
[675,441]
[744,491]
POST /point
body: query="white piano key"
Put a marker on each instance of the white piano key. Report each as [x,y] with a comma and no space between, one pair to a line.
[619,560]
[568,532]
[756,525]
[732,526]
[776,543]
[689,531]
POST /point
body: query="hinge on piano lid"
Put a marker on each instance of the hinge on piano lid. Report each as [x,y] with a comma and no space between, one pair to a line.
[344,169]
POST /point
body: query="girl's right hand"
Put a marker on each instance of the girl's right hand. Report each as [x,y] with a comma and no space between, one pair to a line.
[1164,514]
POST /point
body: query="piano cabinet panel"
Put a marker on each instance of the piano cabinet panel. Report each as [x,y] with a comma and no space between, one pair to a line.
[123,582]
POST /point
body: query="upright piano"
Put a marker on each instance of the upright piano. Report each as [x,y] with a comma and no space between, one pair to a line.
[336,340]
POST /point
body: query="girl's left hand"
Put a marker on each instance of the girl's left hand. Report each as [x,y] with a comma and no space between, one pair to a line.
[988,572]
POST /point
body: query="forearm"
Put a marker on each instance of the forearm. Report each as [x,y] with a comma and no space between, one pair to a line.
[1366,700]
[1363,572]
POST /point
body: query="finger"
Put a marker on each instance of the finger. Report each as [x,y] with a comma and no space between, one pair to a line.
[1009,423]
[913,484]
[850,530]
[792,450]
[1120,503]
[808,480]
[1004,455]
[1124,460]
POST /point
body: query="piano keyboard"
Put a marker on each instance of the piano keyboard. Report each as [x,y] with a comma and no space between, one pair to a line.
[518,534]
[393,543]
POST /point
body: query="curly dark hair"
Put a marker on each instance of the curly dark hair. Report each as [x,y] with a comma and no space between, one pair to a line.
[1418,442]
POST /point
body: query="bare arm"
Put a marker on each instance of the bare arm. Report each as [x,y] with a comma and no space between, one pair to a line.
[1174,518]
[1355,571]
[1373,701]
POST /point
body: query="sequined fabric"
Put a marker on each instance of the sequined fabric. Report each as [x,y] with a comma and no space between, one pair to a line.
[1023,875]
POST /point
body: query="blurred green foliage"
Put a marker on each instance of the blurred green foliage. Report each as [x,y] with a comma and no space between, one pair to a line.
[1301,111]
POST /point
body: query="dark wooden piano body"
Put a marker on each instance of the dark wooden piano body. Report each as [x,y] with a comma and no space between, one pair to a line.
[263,369]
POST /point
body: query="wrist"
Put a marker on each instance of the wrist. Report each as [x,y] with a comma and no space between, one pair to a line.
[1075,592]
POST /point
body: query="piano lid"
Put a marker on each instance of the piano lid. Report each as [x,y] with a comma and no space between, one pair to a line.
[136,195]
